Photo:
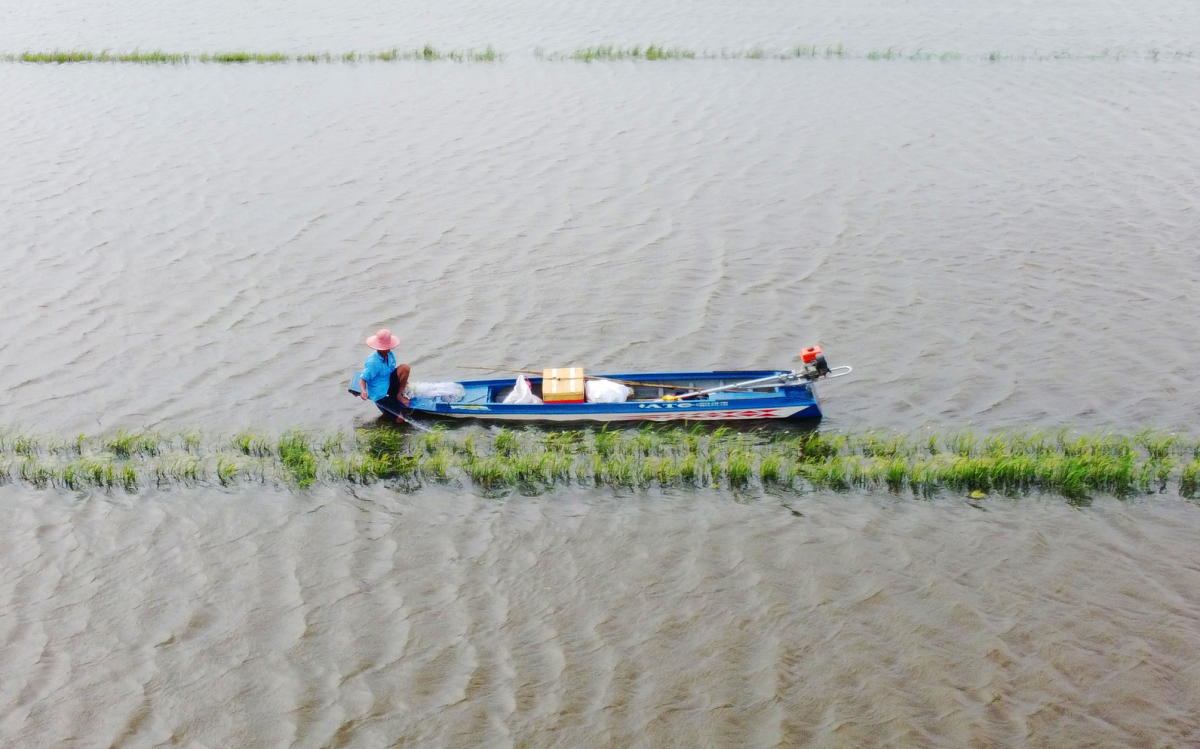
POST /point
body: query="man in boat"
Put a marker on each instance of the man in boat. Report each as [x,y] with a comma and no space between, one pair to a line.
[383,380]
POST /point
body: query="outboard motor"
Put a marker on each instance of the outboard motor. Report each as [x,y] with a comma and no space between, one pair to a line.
[815,366]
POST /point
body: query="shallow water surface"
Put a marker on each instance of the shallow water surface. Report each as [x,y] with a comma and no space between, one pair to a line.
[1001,239]
[371,618]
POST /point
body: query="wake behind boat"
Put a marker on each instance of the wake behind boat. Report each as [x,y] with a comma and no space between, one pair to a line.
[570,395]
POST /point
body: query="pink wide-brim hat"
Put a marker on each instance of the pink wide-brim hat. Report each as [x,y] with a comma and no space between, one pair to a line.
[383,340]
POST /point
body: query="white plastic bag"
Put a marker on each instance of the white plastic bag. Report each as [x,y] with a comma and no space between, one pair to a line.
[521,394]
[605,391]
[440,392]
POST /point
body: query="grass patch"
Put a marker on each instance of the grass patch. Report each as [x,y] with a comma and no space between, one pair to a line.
[1073,465]
[295,452]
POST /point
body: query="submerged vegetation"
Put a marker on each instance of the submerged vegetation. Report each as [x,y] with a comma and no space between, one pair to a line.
[594,53]
[1068,464]
[159,57]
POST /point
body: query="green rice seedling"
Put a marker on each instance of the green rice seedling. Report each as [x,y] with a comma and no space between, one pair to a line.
[644,441]
[506,442]
[961,444]
[890,53]
[1155,474]
[529,468]
[128,444]
[382,441]
[136,56]
[1158,446]
[25,445]
[430,53]
[68,475]
[995,445]
[770,470]
[605,442]
[1069,477]
[388,55]
[923,477]
[191,441]
[227,471]
[559,466]
[437,465]
[995,55]
[969,474]
[57,56]
[739,468]
[756,53]
[36,474]
[491,472]
[432,441]
[1189,482]
[340,469]
[615,470]
[832,473]
[245,57]
[666,471]
[895,474]
[1012,473]
[349,57]
[718,437]
[252,445]
[466,448]
[392,466]
[950,56]
[602,52]
[835,50]
[816,447]
[128,478]
[711,470]
[1114,474]
[295,453]
[804,50]
[179,469]
[488,54]
[97,472]
[689,469]
[874,446]
[562,442]
[334,444]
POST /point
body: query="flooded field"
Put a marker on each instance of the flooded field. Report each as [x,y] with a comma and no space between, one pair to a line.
[989,211]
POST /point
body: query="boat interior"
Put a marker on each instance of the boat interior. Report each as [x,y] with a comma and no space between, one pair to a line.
[650,391]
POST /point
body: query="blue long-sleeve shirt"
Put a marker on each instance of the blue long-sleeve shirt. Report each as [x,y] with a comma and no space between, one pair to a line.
[377,373]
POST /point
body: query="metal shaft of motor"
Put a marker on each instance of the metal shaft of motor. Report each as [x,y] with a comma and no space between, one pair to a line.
[786,377]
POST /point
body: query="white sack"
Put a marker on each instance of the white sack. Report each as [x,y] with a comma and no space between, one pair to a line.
[605,391]
[442,392]
[521,394]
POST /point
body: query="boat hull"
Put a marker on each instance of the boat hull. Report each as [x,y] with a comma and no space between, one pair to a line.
[791,402]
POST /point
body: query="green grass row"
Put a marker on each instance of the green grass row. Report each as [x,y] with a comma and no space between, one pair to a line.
[159,57]
[602,52]
[1075,466]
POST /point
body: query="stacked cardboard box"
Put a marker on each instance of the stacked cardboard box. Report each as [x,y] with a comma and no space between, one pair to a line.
[563,385]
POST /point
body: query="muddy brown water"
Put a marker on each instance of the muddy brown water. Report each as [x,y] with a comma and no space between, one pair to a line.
[990,244]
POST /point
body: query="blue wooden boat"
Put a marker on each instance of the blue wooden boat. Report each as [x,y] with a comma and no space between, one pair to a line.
[733,395]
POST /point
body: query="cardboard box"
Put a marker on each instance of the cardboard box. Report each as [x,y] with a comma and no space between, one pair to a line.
[563,385]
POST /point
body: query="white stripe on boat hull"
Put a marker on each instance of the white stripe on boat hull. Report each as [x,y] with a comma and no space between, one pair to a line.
[724,414]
